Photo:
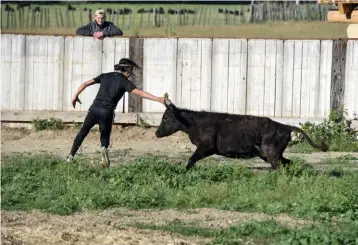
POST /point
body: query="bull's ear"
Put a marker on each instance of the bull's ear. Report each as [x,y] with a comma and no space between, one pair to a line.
[168,104]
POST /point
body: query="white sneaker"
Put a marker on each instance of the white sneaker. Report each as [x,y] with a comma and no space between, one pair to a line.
[69,159]
[105,159]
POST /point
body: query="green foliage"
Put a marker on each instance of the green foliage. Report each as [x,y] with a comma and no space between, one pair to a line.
[266,232]
[48,124]
[336,131]
[48,183]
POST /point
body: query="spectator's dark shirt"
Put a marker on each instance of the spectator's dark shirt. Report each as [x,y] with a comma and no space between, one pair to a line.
[108,29]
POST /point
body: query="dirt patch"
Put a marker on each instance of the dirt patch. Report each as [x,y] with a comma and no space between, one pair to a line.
[128,143]
[115,226]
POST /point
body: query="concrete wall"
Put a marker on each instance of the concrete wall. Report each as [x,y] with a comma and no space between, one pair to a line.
[276,78]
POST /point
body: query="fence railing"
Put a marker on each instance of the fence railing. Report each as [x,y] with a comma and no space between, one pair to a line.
[301,79]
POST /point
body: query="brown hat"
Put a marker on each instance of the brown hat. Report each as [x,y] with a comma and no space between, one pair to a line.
[100,12]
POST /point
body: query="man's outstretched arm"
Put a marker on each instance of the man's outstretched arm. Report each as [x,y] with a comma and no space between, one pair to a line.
[147,95]
[80,89]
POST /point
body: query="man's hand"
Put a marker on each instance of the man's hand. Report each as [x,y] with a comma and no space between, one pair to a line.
[74,100]
[161,100]
[98,35]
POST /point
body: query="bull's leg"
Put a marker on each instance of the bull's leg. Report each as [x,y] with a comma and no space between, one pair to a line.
[273,148]
[285,162]
[200,153]
[261,153]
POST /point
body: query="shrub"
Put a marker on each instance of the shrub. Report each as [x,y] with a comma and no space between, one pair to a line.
[336,131]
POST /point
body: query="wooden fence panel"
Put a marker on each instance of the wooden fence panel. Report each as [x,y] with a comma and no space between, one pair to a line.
[237,77]
[13,72]
[351,79]
[194,73]
[325,78]
[219,81]
[159,64]
[54,83]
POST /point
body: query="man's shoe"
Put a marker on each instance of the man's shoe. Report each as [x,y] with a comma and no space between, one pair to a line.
[105,159]
[69,159]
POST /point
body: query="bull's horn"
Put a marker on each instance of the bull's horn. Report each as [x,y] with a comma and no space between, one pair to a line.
[166,99]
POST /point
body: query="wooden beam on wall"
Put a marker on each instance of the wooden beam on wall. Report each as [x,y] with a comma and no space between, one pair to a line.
[334,16]
[136,54]
[338,74]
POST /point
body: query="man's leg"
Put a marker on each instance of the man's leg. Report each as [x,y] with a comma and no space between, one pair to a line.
[105,128]
[88,123]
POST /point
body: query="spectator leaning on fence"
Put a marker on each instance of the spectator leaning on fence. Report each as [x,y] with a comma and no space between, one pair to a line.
[99,28]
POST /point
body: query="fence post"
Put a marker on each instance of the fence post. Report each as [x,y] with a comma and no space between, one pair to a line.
[338,74]
[136,46]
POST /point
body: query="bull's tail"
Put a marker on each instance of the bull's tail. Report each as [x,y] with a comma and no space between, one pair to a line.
[321,146]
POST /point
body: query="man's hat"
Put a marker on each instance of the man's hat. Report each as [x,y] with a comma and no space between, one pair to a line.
[100,11]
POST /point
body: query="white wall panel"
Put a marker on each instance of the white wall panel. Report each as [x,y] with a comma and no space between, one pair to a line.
[194,73]
[351,79]
[325,78]
[159,70]
[256,77]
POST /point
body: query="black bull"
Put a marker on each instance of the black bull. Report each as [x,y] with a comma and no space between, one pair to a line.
[230,135]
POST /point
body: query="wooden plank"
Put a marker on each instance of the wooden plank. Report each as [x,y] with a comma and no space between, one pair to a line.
[270,78]
[17,99]
[237,76]
[91,68]
[40,73]
[314,86]
[351,84]
[279,77]
[192,89]
[297,75]
[219,82]
[305,86]
[159,63]
[75,82]
[287,84]
[325,77]
[136,50]
[55,76]
[66,116]
[108,54]
[122,51]
[206,75]
[256,77]
[29,74]
[338,74]
[6,61]
[68,69]
[333,16]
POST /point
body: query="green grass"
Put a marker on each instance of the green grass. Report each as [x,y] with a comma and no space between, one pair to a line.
[46,183]
[171,24]
[267,232]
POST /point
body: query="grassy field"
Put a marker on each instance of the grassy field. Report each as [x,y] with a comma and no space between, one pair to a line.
[326,199]
[208,23]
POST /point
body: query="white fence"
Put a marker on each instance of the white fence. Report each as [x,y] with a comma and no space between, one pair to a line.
[275,78]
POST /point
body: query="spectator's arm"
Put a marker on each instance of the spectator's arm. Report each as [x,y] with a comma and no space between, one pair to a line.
[85,30]
[112,30]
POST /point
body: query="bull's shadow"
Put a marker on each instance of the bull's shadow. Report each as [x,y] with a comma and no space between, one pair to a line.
[230,135]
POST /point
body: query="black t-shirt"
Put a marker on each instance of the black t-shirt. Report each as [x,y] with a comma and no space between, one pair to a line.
[113,85]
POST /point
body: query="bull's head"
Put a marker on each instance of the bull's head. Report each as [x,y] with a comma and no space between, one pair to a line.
[170,123]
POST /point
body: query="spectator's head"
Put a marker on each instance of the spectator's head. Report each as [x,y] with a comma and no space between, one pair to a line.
[100,16]
[126,66]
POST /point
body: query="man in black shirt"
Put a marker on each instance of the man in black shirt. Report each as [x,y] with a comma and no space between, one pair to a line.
[99,28]
[113,85]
